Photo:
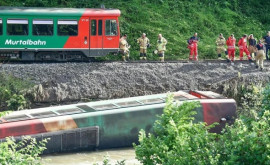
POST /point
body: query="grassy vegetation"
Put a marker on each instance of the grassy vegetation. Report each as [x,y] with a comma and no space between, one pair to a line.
[177,20]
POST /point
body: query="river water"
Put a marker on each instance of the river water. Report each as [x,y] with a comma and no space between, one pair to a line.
[83,158]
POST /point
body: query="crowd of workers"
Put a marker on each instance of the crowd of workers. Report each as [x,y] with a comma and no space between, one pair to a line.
[259,49]
[144,43]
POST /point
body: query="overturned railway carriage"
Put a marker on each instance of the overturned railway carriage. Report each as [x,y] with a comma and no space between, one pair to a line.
[108,124]
[58,34]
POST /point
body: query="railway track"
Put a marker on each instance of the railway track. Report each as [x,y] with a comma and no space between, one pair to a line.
[131,61]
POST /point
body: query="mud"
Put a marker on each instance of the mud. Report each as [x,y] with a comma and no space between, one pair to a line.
[74,82]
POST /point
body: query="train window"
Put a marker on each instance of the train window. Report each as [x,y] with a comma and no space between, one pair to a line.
[86,108]
[67,27]
[93,27]
[43,27]
[43,114]
[111,28]
[104,107]
[100,27]
[152,101]
[129,104]
[17,27]
[16,117]
[69,111]
[1,27]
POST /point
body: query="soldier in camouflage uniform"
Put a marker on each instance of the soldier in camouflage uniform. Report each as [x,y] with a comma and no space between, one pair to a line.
[144,44]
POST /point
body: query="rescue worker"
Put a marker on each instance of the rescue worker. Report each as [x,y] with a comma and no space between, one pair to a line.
[267,44]
[252,45]
[220,42]
[124,48]
[231,47]
[144,43]
[193,47]
[161,47]
[242,44]
[260,55]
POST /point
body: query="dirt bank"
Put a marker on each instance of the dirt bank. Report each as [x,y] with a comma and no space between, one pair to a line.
[70,82]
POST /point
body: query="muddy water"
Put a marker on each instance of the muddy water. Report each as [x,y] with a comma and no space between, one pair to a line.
[84,158]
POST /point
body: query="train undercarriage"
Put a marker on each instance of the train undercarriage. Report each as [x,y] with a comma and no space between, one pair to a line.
[59,56]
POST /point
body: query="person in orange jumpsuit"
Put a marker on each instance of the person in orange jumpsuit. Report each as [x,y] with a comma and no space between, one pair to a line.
[231,47]
[193,47]
[242,44]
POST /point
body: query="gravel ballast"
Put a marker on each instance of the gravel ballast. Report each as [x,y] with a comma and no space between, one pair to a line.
[69,82]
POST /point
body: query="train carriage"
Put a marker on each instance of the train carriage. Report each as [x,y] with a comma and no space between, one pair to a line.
[109,123]
[59,34]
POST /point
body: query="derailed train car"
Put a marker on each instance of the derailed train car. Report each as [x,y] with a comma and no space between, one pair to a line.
[110,123]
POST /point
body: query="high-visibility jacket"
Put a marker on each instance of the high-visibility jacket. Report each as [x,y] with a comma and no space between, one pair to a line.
[220,41]
[231,42]
[242,44]
[161,44]
[123,44]
[143,42]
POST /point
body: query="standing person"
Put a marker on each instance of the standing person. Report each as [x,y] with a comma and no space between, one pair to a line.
[193,47]
[267,44]
[221,41]
[144,43]
[161,47]
[242,44]
[252,44]
[260,55]
[231,47]
[124,48]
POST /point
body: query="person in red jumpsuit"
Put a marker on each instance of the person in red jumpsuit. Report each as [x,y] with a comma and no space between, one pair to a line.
[242,44]
[231,47]
[193,47]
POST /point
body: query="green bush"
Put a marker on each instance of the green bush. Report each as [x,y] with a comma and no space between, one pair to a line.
[178,140]
[12,91]
[26,151]
[246,142]
[16,102]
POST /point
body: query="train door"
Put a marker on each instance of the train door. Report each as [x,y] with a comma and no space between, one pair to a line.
[96,37]
[111,36]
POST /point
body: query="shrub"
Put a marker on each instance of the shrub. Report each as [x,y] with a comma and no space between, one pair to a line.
[26,151]
[176,139]
[16,102]
[12,91]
